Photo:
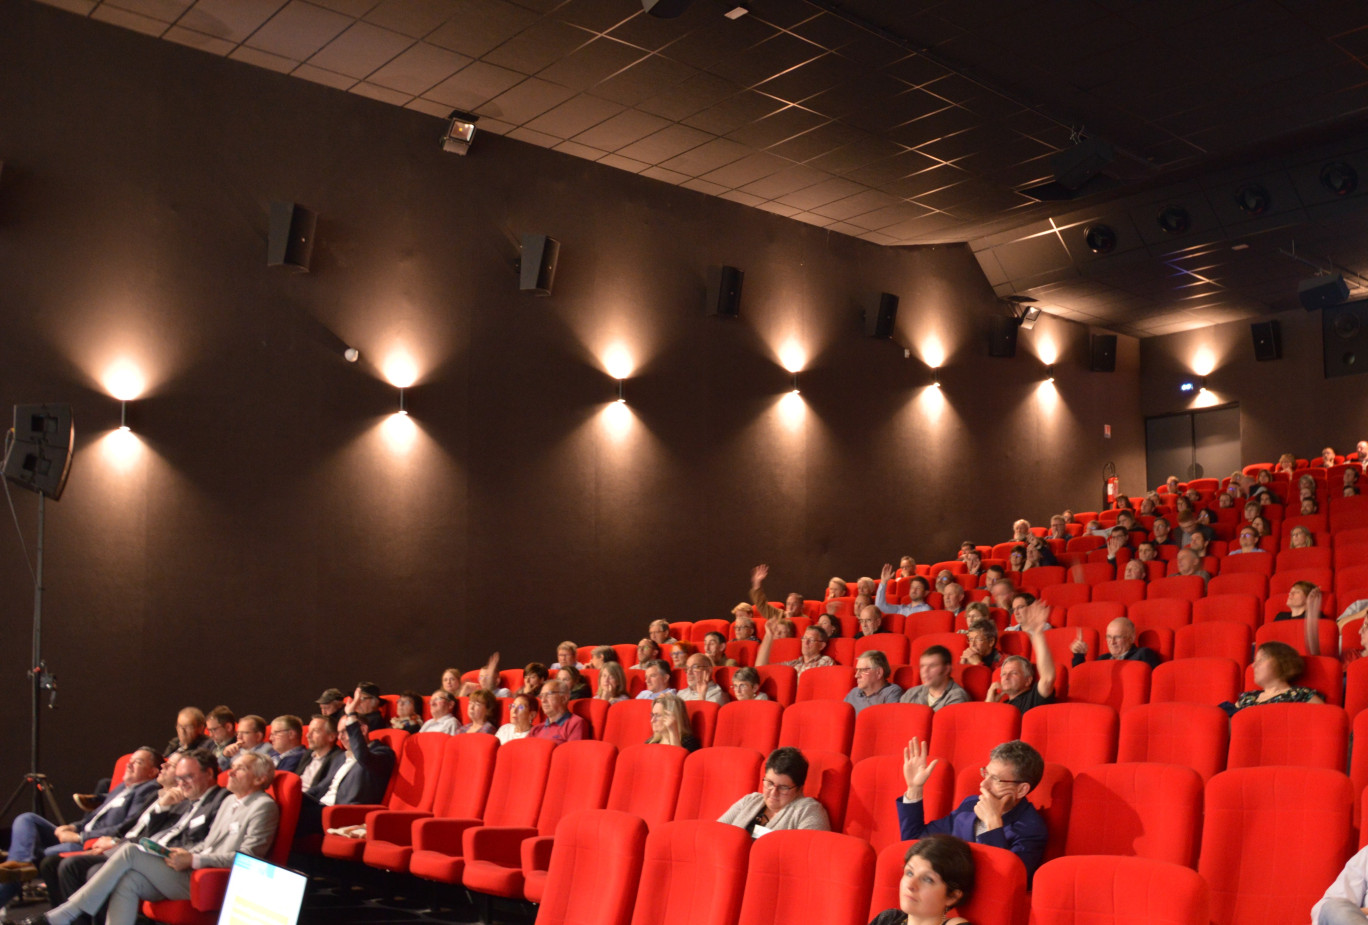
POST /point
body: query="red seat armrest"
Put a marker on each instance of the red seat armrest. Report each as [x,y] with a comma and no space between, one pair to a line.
[536,853]
[498,844]
[334,817]
[207,886]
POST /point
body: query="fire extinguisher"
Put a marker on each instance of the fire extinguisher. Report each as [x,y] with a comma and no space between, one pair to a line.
[1112,482]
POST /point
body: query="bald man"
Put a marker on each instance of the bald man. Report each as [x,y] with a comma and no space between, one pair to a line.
[1120,645]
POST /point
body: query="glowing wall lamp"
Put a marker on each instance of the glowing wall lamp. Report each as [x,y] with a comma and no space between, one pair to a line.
[1049,372]
[1189,386]
[794,390]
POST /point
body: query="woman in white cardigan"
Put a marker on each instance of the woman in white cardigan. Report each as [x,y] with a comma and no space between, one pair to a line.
[780,804]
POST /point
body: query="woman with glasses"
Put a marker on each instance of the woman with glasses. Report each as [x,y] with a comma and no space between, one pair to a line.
[670,724]
[745,685]
[780,804]
[522,713]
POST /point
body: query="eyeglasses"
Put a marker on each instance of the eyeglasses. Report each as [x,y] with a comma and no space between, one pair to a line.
[994,779]
[865,670]
[778,788]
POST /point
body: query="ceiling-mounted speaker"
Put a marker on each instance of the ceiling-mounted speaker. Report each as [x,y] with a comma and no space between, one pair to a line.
[665,9]
[537,269]
[40,457]
[879,321]
[1267,340]
[1344,339]
[724,291]
[1002,338]
[291,239]
[1102,348]
[1322,292]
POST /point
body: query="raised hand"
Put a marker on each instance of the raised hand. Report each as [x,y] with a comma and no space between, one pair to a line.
[886,572]
[1078,646]
[916,767]
[758,575]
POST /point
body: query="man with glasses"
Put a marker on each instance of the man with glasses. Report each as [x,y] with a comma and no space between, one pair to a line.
[1120,645]
[698,670]
[220,724]
[810,655]
[189,733]
[251,737]
[999,815]
[362,777]
[560,724]
[287,742]
[871,681]
[443,707]
[365,703]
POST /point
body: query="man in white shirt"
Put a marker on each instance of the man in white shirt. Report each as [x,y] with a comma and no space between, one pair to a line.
[443,707]
[698,670]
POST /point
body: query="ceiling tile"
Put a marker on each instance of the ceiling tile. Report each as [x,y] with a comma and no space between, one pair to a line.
[298,30]
[648,77]
[327,78]
[360,50]
[692,95]
[263,59]
[427,107]
[665,176]
[809,79]
[623,163]
[209,43]
[621,130]
[166,11]
[817,142]
[822,193]
[578,150]
[473,86]
[418,69]
[573,116]
[786,181]
[766,60]
[538,46]
[666,143]
[859,204]
[526,101]
[746,199]
[598,15]
[383,94]
[233,20]
[707,157]
[777,126]
[540,139]
[703,186]
[414,18]
[129,20]
[589,64]
[482,26]
[732,113]
[746,170]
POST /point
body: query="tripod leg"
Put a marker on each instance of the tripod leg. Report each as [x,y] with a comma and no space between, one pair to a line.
[18,792]
[50,799]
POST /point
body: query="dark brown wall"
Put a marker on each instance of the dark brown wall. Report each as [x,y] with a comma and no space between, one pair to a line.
[267,537]
[1286,405]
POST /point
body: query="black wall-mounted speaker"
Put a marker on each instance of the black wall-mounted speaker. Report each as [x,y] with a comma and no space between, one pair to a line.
[879,321]
[537,270]
[291,239]
[1103,353]
[724,291]
[40,458]
[1344,339]
[1267,340]
[1003,336]
[1322,292]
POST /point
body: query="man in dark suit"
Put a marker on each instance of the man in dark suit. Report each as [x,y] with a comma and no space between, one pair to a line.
[317,768]
[32,837]
[362,777]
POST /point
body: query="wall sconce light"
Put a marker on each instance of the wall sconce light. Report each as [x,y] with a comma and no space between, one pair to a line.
[351,354]
[123,416]
[935,377]
[1198,384]
[1049,372]
[403,406]
[621,392]
[460,132]
[795,385]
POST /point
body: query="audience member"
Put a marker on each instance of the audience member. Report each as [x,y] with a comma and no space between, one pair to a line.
[534,676]
[560,725]
[1162,534]
[1120,645]
[938,874]
[220,724]
[657,675]
[829,624]
[189,733]
[937,688]
[871,681]
[408,712]
[451,682]
[602,655]
[1189,563]
[701,686]
[1016,685]
[670,724]
[1276,666]
[316,769]
[870,620]
[793,603]
[1346,900]
[362,776]
[952,598]
[365,703]
[647,651]
[576,686]
[999,815]
[612,683]
[659,633]
[780,804]
[443,707]
[917,589]
[715,648]
[746,685]
[814,641]
[287,745]
[567,653]
[679,654]
[483,709]
[982,645]
[522,712]
[1135,570]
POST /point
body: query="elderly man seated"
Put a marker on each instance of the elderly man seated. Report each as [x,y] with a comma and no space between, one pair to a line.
[1018,685]
[871,681]
[938,689]
[982,645]
[698,670]
[999,815]
[245,821]
[780,804]
[793,603]
[814,641]
[1120,645]
[560,724]
[871,621]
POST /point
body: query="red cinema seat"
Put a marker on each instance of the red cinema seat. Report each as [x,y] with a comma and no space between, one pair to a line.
[955,642]
[628,723]
[886,728]
[593,711]
[1094,615]
[581,773]
[1235,608]
[703,719]
[931,621]
[805,876]
[209,884]
[1282,581]
[778,682]
[1253,583]
[828,782]
[895,646]
[646,781]
[1247,564]
[964,733]
[1118,891]
[1061,640]
[1121,591]
[820,725]
[1188,587]
[413,787]
[694,873]
[750,724]
[1138,810]
[999,885]
[1066,595]
[743,651]
[1043,575]
[1212,680]
[1215,639]
[1172,613]
[1356,688]
[1305,735]
[462,787]
[595,869]
[702,628]
[875,783]
[1305,812]
[1195,735]
[1076,735]
[715,778]
[1118,683]
[829,683]
[1293,632]
[521,769]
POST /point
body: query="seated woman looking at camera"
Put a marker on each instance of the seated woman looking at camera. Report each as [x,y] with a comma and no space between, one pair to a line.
[938,874]
[780,804]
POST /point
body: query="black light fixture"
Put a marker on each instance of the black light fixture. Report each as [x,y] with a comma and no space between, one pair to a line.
[1024,308]
[460,132]
[1101,239]
[1253,199]
[1339,178]
[1175,220]
[1049,372]
[1197,384]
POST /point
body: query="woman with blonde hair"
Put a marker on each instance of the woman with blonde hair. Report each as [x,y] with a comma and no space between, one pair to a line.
[670,724]
[612,683]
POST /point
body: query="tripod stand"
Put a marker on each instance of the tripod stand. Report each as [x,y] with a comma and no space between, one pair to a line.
[42,681]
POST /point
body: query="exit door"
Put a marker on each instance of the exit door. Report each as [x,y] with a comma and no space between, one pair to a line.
[1192,444]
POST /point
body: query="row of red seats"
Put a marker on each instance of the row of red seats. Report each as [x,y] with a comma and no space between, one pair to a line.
[465,811]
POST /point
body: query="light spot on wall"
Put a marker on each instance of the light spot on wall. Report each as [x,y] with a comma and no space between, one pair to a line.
[123,380]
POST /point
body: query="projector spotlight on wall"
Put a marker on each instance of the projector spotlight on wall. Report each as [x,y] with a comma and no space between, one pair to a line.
[460,131]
